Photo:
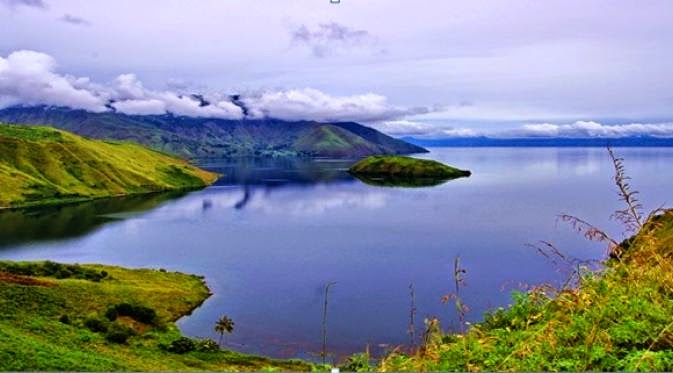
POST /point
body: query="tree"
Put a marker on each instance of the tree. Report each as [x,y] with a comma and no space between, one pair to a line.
[224,325]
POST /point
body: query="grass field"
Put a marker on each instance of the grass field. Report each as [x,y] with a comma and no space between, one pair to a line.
[56,317]
[41,165]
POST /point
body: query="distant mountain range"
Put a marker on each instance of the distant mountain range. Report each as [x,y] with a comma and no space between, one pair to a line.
[642,141]
[215,138]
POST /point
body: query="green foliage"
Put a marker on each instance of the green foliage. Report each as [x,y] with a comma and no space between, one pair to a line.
[96,324]
[118,333]
[51,269]
[358,363]
[139,313]
[182,345]
[207,345]
[42,166]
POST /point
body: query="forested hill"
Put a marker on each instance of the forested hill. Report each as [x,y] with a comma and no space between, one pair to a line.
[207,137]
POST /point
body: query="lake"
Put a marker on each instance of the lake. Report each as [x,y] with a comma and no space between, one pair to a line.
[271,233]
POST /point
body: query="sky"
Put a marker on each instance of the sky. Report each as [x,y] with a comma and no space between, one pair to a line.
[409,68]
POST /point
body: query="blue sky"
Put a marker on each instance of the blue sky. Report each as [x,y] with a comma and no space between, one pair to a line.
[425,68]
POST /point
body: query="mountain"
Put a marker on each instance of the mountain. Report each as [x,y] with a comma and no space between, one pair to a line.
[641,141]
[43,165]
[210,137]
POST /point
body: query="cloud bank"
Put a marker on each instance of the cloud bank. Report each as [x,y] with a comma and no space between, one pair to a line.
[578,129]
[315,105]
[30,78]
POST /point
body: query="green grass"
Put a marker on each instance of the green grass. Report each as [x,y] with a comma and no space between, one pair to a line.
[55,322]
[42,165]
[616,319]
[404,168]
[333,141]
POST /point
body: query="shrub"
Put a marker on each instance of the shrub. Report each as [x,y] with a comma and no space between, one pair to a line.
[111,313]
[119,333]
[143,314]
[64,319]
[358,363]
[182,345]
[207,345]
[52,269]
[96,324]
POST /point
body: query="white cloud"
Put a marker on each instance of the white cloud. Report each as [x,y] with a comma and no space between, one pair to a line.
[28,78]
[589,129]
[141,107]
[579,129]
[312,104]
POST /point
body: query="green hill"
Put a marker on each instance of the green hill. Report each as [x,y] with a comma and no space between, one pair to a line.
[216,138]
[405,167]
[41,165]
[63,317]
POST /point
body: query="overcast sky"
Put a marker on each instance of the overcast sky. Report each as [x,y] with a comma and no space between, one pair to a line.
[408,67]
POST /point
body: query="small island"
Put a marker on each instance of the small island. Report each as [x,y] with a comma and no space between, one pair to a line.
[404,171]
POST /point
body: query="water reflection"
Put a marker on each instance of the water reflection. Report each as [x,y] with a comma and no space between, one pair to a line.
[273,172]
[72,220]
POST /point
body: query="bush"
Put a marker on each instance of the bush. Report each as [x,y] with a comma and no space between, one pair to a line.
[52,269]
[119,333]
[111,313]
[207,345]
[64,319]
[96,324]
[182,345]
[143,314]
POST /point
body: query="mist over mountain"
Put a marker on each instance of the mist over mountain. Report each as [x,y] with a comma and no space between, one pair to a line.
[198,137]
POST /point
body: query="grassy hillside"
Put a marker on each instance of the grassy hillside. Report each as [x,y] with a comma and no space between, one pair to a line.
[41,165]
[208,137]
[620,318]
[58,317]
[332,141]
[405,167]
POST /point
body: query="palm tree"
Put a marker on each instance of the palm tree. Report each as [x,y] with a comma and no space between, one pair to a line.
[224,325]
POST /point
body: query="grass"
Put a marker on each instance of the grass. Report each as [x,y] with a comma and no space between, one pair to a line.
[42,165]
[54,322]
[405,168]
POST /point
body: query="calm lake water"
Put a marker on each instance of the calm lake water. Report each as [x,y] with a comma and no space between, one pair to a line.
[271,234]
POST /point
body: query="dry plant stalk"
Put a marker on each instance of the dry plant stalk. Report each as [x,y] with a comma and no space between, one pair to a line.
[631,214]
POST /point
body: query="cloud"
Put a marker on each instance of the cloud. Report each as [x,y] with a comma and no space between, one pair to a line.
[312,104]
[74,20]
[332,38]
[131,97]
[590,129]
[29,78]
[421,129]
[28,3]
[578,129]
